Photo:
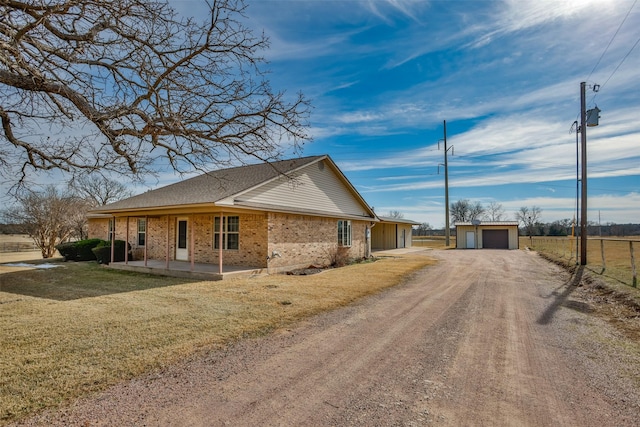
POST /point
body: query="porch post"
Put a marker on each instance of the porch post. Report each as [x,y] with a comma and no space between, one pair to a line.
[126,243]
[220,244]
[167,245]
[146,238]
[192,243]
[113,239]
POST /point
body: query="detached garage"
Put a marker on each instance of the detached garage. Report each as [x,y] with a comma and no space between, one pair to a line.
[487,235]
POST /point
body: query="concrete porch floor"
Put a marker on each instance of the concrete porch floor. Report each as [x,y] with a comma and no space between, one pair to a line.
[183,269]
[203,271]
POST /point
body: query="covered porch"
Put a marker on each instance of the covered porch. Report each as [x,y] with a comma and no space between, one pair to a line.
[187,270]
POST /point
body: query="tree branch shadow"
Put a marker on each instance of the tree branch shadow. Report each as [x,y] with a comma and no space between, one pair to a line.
[79,281]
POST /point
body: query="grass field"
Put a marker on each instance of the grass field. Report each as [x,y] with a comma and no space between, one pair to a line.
[18,247]
[616,267]
[78,328]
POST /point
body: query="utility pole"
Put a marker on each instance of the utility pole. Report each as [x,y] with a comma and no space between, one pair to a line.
[583,206]
[447,231]
[447,227]
[587,118]
[577,216]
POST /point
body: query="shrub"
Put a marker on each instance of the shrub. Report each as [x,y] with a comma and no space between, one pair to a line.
[84,249]
[68,251]
[102,251]
[338,256]
[78,251]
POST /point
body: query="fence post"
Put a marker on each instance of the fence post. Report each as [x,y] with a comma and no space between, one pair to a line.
[604,262]
[633,265]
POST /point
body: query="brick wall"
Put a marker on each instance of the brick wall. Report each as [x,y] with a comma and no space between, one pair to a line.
[98,228]
[253,238]
[252,250]
[302,241]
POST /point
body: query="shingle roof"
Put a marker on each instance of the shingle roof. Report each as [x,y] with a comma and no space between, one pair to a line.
[209,187]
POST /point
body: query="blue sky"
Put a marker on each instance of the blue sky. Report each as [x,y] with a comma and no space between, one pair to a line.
[505,75]
[382,75]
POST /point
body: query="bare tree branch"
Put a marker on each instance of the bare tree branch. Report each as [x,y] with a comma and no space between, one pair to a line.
[495,211]
[124,85]
[529,217]
[463,210]
[99,191]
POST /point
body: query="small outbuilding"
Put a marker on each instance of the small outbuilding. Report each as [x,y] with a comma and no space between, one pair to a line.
[392,233]
[487,235]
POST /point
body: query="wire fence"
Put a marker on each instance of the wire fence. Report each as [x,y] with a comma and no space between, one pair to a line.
[614,258]
[17,247]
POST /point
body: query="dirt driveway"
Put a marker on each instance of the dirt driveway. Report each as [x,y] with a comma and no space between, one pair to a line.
[483,338]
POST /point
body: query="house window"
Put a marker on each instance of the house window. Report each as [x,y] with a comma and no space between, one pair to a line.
[142,231]
[230,232]
[344,233]
[110,233]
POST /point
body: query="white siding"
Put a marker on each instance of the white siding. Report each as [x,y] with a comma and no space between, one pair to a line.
[316,187]
[383,236]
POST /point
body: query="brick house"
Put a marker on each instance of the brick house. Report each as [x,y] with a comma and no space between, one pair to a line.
[275,217]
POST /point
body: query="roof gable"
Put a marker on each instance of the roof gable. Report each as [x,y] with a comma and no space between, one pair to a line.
[207,188]
[318,186]
[303,184]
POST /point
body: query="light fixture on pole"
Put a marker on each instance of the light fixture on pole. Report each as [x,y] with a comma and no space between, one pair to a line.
[587,118]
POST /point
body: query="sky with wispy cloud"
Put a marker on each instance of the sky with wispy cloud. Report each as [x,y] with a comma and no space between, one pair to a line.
[383,75]
[505,75]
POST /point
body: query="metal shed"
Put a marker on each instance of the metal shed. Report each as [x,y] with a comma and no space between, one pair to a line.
[392,233]
[487,235]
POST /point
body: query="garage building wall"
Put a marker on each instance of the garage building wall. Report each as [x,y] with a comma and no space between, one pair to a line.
[461,235]
[391,235]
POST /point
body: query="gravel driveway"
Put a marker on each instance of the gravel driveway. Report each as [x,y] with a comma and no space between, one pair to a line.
[485,337]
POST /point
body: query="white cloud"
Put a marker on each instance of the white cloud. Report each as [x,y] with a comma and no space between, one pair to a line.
[359,117]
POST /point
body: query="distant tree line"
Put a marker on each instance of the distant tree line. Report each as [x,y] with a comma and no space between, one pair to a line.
[529,219]
[556,228]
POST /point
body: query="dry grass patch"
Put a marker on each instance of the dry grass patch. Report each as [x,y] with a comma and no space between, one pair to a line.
[433,242]
[76,329]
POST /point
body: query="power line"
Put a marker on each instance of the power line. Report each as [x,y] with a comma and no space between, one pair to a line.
[623,59]
[611,41]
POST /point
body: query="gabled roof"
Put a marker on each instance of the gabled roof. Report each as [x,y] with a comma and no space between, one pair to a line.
[223,187]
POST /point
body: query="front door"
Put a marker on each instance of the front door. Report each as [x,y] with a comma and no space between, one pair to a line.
[182,239]
[471,240]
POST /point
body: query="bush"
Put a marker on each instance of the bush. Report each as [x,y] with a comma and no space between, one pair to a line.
[339,256]
[102,251]
[84,249]
[68,251]
[78,251]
